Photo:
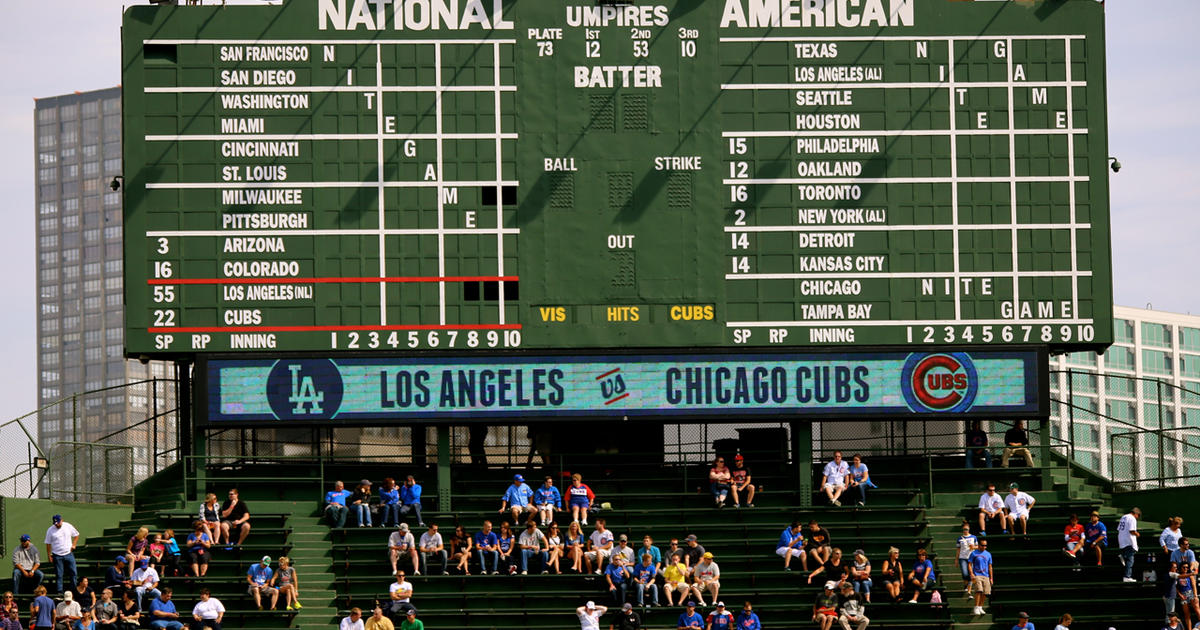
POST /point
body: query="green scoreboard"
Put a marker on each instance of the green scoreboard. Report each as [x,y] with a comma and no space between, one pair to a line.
[395,175]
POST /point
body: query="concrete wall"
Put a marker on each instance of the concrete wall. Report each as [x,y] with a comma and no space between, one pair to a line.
[32,516]
[1158,505]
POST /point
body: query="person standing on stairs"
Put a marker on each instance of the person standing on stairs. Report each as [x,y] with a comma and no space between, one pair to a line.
[966,544]
[1127,541]
[982,576]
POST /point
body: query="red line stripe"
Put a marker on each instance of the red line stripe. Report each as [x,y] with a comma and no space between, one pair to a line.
[608,373]
[248,329]
[625,395]
[346,280]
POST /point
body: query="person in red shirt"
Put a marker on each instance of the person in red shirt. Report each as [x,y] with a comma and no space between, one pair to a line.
[1073,540]
[742,484]
[579,499]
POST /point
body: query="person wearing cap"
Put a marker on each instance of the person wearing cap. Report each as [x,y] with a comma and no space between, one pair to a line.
[600,545]
[26,562]
[410,499]
[532,542]
[115,577]
[1127,540]
[377,620]
[360,504]
[623,549]
[518,499]
[547,499]
[389,504]
[432,548]
[353,621]
[67,612]
[719,618]
[580,499]
[487,545]
[1095,538]
[740,482]
[852,609]
[627,620]
[411,622]
[145,581]
[644,575]
[991,507]
[259,579]
[791,545]
[675,579]
[1019,504]
[208,612]
[589,615]
[706,577]
[692,553]
[833,478]
[234,515]
[748,619]
[1016,442]
[1172,622]
[859,479]
[335,504]
[920,577]
[825,607]
[163,615]
[718,481]
[61,538]
[690,618]
[1023,622]
[400,593]
[402,544]
[617,577]
[979,568]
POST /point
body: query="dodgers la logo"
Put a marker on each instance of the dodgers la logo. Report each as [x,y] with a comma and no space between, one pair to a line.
[305,389]
[944,382]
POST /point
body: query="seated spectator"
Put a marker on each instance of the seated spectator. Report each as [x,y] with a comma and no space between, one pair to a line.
[832,569]
[852,609]
[128,615]
[860,574]
[825,607]
[487,545]
[378,622]
[335,504]
[67,612]
[966,544]
[817,547]
[626,619]
[1184,556]
[137,549]
[27,564]
[575,546]
[402,544]
[718,483]
[410,499]
[706,577]
[1073,540]
[198,544]
[644,576]
[600,545]
[1019,505]
[210,517]
[624,550]
[1016,442]
[258,577]
[353,621]
[616,577]
[719,618]
[360,504]
[506,544]
[235,517]
[163,615]
[1095,538]
[991,508]
[547,499]
[532,542]
[1185,590]
[411,622]
[400,593]
[979,567]
[389,503]
[920,578]
[748,619]
[1172,623]
[10,613]
[693,553]
[673,551]
[208,612]
[977,442]
[1023,622]
[156,550]
[145,581]
[171,553]
[589,615]
[105,610]
[649,548]
[431,547]
[893,574]
[459,550]
[1064,622]
[84,595]
[675,580]
[690,618]
[741,484]
[859,479]
[115,578]
[833,478]
[555,548]
[580,499]
[791,545]
[41,610]
[287,583]
[518,499]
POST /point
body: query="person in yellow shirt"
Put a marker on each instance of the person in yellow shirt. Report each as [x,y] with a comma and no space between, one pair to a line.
[675,580]
[378,622]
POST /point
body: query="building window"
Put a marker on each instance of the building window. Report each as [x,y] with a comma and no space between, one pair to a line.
[112,266]
[1189,339]
[50,359]
[1085,359]
[1119,358]
[1189,366]
[1157,362]
[1117,386]
[47,158]
[48,208]
[47,175]
[1122,331]
[112,284]
[1156,335]
[112,299]
[47,115]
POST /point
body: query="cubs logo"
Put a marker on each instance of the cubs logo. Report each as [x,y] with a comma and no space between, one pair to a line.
[939,382]
[305,389]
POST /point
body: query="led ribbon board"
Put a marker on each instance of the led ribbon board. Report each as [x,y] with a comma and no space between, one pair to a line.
[355,390]
[326,176]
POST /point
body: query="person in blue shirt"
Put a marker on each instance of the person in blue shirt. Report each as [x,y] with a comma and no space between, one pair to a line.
[410,499]
[335,504]
[860,479]
[921,577]
[691,618]
[389,503]
[616,574]
[1095,538]
[259,579]
[644,575]
[518,499]
[1023,622]
[547,499]
[649,548]
[1184,556]
[487,545]
[747,619]
[506,544]
[791,545]
[163,615]
[42,609]
[979,565]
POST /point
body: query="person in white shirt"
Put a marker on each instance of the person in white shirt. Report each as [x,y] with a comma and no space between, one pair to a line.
[400,593]
[601,543]
[1019,505]
[589,615]
[353,622]
[966,544]
[1169,539]
[431,546]
[1127,541]
[401,543]
[145,579]
[833,481]
[991,506]
[208,612]
[1064,622]
[61,539]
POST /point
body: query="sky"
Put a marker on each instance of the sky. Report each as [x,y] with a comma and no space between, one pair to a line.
[59,46]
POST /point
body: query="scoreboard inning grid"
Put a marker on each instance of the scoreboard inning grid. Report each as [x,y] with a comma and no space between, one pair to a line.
[331,175]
